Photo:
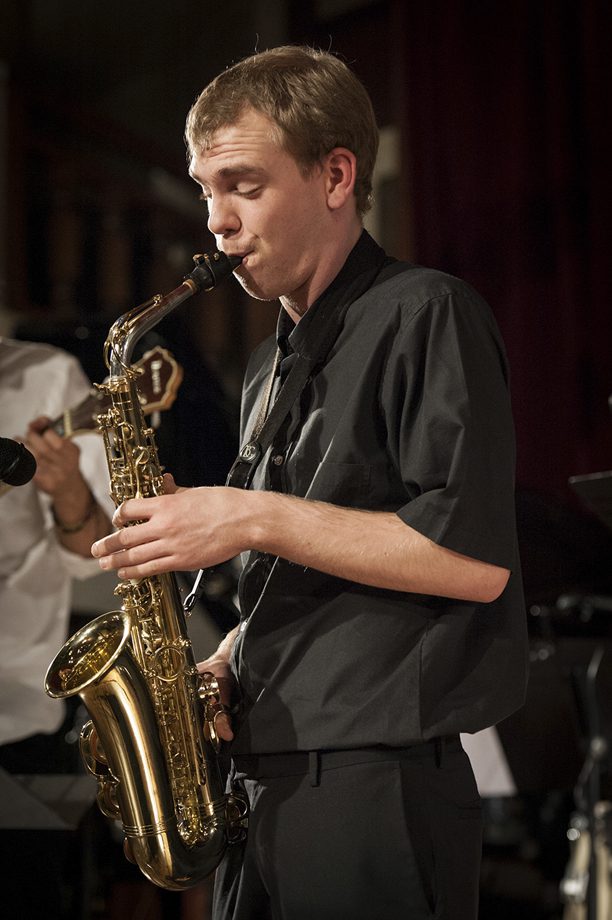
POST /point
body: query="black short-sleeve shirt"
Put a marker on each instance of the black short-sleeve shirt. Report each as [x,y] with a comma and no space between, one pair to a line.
[409,413]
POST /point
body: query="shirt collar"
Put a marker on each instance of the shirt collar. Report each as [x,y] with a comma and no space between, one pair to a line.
[363,257]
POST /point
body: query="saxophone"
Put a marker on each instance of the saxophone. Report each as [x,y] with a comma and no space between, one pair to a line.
[151,742]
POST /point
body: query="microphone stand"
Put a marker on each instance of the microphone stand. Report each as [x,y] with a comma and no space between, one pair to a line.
[588,787]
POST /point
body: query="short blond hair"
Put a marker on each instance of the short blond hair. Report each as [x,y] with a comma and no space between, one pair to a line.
[313,98]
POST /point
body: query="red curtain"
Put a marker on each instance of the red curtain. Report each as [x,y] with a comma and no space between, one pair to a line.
[508,155]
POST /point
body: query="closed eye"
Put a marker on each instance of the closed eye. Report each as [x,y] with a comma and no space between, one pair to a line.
[248,192]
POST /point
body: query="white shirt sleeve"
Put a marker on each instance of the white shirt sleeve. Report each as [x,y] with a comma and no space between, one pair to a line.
[36,572]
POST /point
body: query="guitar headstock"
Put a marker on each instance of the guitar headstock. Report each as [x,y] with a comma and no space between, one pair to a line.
[159,377]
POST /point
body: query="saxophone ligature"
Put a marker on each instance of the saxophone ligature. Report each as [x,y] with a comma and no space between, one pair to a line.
[151,741]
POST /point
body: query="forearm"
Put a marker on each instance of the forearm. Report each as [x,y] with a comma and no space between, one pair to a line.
[202,527]
[219,665]
[79,520]
[222,655]
[372,548]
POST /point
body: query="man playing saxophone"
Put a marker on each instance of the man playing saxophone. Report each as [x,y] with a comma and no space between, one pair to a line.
[372,503]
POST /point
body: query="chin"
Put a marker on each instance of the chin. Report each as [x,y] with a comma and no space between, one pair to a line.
[253,289]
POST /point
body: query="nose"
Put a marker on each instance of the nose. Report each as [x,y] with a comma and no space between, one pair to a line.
[222,217]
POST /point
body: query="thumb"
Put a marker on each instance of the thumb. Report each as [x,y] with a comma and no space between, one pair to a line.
[170,487]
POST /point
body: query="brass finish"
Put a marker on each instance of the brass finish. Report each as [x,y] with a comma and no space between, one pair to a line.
[152,741]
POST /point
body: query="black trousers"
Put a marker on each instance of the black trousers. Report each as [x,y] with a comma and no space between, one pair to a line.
[375,834]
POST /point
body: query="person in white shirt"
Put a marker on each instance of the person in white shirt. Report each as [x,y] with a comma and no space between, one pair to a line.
[46,530]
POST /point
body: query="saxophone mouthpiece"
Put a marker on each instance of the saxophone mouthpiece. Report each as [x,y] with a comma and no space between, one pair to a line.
[211,268]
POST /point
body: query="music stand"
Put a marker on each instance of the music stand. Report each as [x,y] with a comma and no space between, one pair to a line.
[39,811]
[595,491]
[40,801]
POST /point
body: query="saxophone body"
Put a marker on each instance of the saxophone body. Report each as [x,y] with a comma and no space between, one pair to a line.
[151,742]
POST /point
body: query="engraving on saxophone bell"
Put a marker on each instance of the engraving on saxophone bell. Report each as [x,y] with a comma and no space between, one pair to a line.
[152,740]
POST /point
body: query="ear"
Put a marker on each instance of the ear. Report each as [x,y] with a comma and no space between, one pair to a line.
[340,168]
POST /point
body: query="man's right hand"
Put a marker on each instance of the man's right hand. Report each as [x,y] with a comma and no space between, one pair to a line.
[218,666]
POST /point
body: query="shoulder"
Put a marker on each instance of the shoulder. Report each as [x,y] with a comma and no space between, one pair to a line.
[408,296]
[22,354]
[414,287]
[52,375]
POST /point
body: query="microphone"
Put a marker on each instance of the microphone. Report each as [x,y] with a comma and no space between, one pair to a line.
[17,464]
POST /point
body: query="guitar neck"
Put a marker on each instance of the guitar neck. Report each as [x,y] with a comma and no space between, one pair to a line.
[81,417]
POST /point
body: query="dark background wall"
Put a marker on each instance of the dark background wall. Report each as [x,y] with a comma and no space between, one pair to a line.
[510,152]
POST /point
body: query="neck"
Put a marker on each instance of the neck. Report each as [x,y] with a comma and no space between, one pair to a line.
[298,303]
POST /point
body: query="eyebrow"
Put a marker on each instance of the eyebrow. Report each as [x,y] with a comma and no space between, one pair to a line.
[240,171]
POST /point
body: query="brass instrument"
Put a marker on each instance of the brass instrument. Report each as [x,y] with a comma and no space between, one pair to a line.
[151,742]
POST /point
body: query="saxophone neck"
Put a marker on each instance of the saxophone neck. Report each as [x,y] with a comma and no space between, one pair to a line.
[210,269]
[128,329]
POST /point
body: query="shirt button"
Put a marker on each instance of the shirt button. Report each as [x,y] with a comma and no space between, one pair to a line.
[278,460]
